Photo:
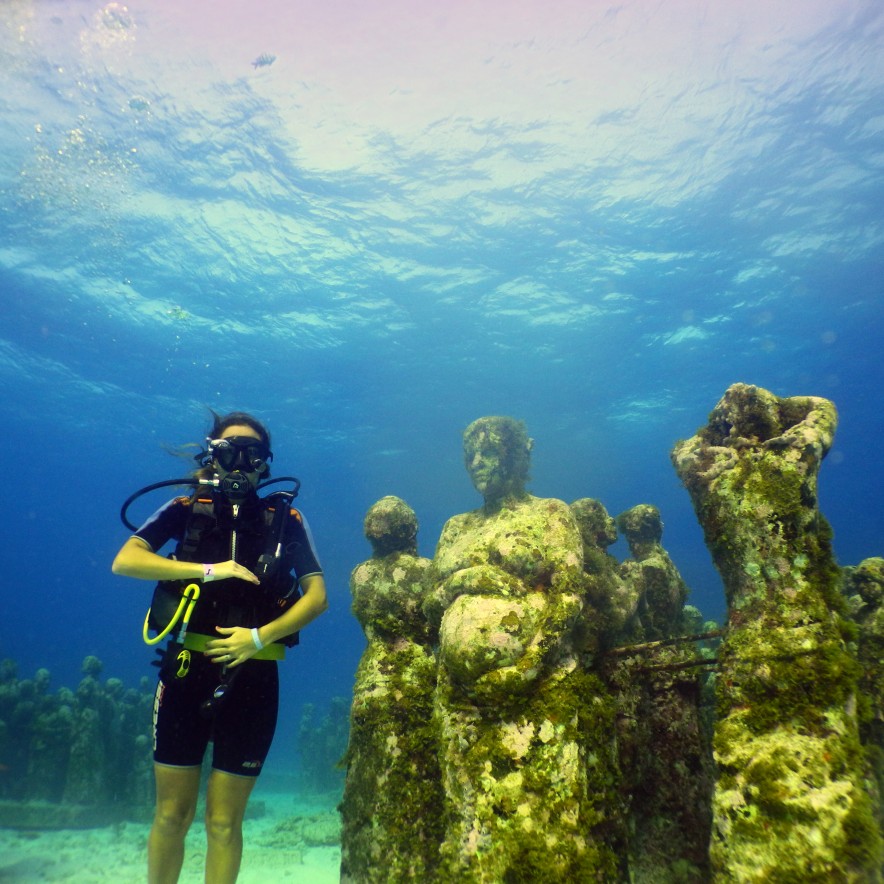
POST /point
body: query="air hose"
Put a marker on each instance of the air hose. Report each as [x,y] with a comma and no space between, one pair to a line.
[188,600]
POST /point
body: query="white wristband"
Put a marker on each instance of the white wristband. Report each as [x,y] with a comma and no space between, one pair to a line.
[258,643]
[209,573]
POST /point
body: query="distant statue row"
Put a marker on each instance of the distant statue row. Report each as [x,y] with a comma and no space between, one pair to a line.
[524,711]
[84,748]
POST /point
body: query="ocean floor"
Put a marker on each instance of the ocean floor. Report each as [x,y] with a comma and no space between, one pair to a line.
[293,842]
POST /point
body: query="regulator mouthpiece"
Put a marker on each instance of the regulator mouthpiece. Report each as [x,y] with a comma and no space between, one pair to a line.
[236,487]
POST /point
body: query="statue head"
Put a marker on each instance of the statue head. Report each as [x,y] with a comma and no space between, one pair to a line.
[497,455]
[642,526]
[391,527]
[597,528]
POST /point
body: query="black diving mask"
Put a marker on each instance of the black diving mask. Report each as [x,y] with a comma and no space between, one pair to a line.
[240,453]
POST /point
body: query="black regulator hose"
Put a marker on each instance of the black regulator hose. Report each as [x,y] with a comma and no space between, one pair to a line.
[195,483]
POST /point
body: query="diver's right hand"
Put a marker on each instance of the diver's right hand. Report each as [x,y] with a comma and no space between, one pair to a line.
[224,570]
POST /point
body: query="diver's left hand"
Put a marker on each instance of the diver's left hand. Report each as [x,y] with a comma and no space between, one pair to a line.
[234,648]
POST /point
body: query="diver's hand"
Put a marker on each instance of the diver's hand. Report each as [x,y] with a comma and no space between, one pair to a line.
[223,570]
[234,647]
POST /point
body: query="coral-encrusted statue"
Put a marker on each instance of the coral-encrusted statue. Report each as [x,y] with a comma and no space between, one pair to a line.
[665,757]
[391,824]
[790,802]
[527,750]
[864,588]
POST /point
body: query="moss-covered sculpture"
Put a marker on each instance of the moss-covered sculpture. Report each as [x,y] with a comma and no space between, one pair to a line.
[526,733]
[322,744]
[790,803]
[864,588]
[651,572]
[616,601]
[665,749]
[392,795]
[88,749]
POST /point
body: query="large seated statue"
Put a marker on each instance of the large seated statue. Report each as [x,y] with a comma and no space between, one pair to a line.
[526,732]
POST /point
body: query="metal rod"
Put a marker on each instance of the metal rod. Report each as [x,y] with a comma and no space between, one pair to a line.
[625,650]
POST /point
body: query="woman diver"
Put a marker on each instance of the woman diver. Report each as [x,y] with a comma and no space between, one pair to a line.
[220,682]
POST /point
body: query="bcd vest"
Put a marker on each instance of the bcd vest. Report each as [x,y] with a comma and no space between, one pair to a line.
[213,535]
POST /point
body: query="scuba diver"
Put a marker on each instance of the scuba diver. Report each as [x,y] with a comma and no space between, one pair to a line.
[246,575]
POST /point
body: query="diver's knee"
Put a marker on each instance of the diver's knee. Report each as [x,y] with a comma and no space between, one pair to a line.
[173,818]
[222,829]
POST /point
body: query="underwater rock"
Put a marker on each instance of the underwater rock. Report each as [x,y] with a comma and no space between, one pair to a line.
[391,825]
[525,732]
[790,802]
[45,815]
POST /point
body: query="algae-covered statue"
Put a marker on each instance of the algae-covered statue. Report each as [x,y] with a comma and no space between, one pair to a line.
[664,758]
[652,573]
[526,732]
[790,802]
[389,832]
[614,599]
[864,590]
[666,761]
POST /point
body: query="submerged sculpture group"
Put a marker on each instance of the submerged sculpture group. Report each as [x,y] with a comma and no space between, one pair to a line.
[525,711]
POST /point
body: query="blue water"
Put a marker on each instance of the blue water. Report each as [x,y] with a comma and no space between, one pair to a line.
[594,218]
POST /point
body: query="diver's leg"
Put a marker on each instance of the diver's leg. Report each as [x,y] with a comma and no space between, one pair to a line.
[226,799]
[177,790]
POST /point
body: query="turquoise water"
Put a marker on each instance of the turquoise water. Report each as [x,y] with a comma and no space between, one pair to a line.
[592,217]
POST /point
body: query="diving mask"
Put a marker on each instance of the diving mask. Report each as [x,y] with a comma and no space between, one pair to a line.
[243,453]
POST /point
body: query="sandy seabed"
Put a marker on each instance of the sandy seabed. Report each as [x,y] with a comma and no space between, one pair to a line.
[280,846]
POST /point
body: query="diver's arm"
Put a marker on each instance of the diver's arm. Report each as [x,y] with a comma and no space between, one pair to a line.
[137,559]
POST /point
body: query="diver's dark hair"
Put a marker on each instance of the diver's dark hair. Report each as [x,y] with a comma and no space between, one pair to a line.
[221,422]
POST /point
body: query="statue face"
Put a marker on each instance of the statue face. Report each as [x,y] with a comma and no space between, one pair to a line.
[485,463]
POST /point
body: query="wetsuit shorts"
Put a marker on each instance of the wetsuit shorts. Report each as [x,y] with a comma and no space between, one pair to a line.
[240,724]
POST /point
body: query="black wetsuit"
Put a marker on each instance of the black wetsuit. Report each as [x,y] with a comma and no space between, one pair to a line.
[242,724]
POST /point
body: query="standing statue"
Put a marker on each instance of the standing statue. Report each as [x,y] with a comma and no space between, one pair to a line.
[790,802]
[391,827]
[864,589]
[526,733]
[657,583]
[668,775]
[614,599]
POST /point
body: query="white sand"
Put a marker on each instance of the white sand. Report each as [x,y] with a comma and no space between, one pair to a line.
[275,851]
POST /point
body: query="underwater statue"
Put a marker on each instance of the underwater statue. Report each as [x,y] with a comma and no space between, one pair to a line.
[665,752]
[864,589]
[790,802]
[663,748]
[526,733]
[615,600]
[652,573]
[392,795]
[73,758]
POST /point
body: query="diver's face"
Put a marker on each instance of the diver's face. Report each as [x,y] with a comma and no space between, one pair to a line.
[485,464]
[240,431]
